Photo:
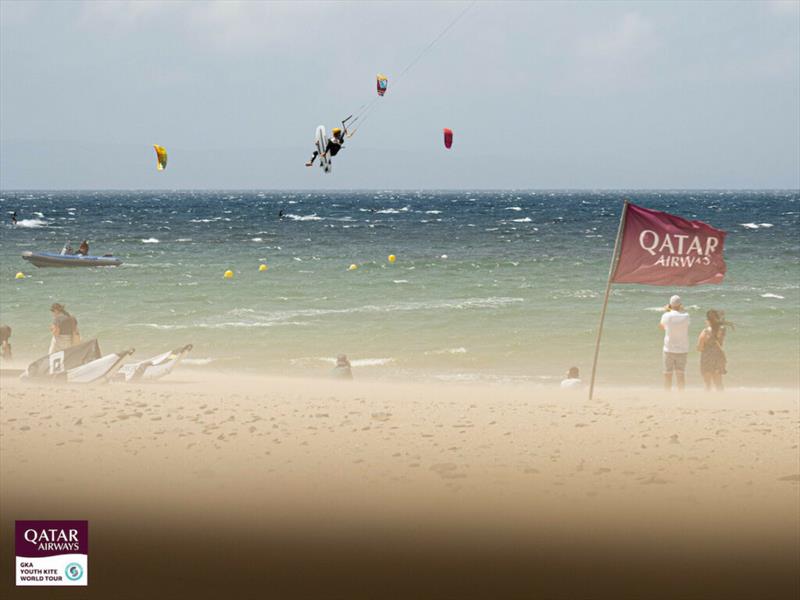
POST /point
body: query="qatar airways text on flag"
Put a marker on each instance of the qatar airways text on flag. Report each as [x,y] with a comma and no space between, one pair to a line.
[662,249]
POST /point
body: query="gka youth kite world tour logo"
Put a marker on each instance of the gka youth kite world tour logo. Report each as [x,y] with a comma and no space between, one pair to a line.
[52,552]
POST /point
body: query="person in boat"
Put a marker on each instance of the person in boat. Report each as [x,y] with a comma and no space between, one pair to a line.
[64,329]
[67,249]
[335,143]
[84,248]
[5,345]
[342,369]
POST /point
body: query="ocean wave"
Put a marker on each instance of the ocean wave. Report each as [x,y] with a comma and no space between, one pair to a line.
[522,220]
[31,223]
[756,225]
[358,362]
[769,295]
[459,350]
[256,239]
[151,240]
[516,208]
[492,302]
[227,325]
[312,217]
[661,308]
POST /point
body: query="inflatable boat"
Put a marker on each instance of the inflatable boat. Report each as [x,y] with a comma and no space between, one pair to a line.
[53,259]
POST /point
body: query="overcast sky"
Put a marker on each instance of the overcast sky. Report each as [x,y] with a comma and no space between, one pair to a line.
[540,95]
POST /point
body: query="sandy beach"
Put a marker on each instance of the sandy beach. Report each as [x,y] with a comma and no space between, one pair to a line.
[220,484]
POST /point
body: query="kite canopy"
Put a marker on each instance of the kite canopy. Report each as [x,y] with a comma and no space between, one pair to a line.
[448,138]
[161,156]
[382,84]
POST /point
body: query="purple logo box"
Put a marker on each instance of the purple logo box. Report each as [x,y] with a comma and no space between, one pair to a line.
[35,539]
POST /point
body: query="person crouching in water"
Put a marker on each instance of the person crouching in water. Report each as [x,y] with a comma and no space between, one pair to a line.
[335,143]
[573,380]
[712,357]
[675,323]
[64,329]
[342,369]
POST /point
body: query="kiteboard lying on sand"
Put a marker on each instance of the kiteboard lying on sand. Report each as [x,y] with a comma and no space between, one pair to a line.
[154,368]
[82,363]
[51,259]
[321,142]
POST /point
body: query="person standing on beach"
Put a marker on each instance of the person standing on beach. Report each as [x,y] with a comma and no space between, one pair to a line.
[64,329]
[712,357]
[675,323]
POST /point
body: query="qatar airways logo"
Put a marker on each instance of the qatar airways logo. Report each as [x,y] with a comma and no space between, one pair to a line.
[678,249]
[52,553]
[53,540]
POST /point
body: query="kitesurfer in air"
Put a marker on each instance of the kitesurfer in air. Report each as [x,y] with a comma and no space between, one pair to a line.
[335,143]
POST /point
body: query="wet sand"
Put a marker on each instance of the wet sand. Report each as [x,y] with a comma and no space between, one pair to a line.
[241,486]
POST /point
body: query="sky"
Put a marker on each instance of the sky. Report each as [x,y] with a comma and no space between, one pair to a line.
[540,95]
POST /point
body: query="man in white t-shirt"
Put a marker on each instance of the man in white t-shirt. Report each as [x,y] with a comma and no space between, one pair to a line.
[675,323]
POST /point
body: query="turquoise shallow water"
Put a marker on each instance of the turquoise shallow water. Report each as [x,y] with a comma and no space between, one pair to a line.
[487,285]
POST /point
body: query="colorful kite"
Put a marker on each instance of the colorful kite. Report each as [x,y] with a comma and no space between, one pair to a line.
[448,138]
[383,84]
[161,155]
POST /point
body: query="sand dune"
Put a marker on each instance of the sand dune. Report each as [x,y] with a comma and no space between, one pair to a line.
[223,483]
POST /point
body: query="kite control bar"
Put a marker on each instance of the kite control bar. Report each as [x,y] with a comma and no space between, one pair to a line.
[344,126]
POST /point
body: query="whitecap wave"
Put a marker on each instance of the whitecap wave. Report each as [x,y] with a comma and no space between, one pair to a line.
[312,217]
[31,223]
[769,295]
[151,240]
[756,225]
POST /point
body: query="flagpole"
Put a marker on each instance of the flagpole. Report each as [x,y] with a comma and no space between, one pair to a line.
[611,269]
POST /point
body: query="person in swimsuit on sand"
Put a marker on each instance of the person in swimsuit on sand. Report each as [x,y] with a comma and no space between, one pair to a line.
[713,361]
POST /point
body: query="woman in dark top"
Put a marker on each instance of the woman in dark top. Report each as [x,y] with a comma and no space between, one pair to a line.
[712,357]
[64,329]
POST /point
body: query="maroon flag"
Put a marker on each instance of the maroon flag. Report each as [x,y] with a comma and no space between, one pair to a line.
[661,249]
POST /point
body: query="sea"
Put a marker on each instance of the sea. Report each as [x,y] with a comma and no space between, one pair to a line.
[487,286]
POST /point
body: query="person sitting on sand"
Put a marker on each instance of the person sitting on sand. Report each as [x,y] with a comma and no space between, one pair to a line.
[675,323]
[5,346]
[342,369]
[64,329]
[572,380]
[84,248]
[712,357]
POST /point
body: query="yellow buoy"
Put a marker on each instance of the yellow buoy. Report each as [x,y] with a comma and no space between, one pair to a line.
[262,268]
[392,258]
[228,274]
[19,275]
[352,267]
